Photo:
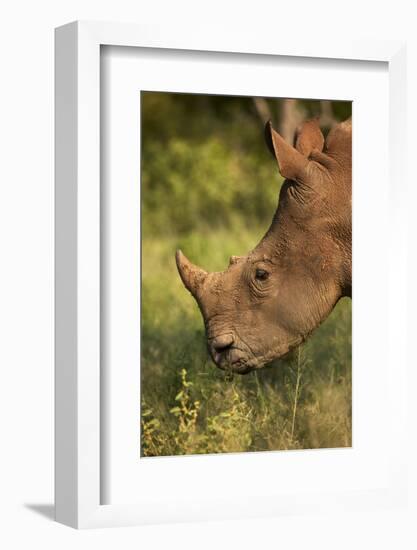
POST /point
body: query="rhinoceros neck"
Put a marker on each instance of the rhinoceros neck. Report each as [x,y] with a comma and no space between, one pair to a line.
[320,246]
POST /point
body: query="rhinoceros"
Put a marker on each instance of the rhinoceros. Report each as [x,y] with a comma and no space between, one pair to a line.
[268,302]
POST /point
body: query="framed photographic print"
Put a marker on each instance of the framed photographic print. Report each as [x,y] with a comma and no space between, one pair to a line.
[221,207]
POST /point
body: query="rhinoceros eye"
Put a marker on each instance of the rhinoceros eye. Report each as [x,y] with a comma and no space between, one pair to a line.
[261,274]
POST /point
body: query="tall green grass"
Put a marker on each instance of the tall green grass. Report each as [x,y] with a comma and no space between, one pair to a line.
[190,406]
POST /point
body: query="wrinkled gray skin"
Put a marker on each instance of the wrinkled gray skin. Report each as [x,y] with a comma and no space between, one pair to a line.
[269,301]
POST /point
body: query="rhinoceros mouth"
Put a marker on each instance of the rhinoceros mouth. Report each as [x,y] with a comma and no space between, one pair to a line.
[242,361]
[237,360]
[239,366]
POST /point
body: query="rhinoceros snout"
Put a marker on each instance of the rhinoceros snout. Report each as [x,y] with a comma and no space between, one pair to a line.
[227,354]
[222,343]
[220,348]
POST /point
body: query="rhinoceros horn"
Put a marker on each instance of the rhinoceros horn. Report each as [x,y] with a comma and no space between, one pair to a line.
[191,275]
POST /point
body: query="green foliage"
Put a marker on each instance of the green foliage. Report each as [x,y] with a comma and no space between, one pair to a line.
[210,188]
[207,183]
[200,172]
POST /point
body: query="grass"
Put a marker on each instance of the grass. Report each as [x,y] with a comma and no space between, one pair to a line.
[189,406]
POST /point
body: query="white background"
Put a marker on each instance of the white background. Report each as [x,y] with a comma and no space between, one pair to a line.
[230,477]
[26,275]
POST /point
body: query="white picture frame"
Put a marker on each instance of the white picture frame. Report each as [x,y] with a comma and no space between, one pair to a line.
[78,320]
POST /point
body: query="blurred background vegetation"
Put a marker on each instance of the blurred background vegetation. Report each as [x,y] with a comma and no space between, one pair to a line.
[210,187]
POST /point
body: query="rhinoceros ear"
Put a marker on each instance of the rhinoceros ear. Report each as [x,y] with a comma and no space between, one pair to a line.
[291,163]
[309,137]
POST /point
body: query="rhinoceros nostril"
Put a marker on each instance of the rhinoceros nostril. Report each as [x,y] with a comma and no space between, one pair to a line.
[222,343]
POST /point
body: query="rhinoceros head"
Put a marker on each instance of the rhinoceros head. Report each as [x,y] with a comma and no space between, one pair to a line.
[269,301]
